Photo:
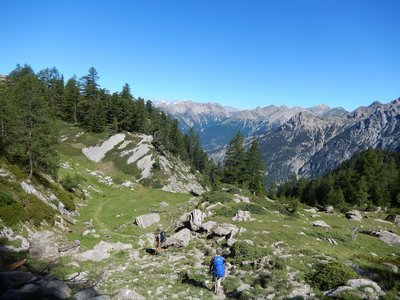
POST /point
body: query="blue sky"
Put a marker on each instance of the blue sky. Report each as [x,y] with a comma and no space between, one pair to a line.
[238,53]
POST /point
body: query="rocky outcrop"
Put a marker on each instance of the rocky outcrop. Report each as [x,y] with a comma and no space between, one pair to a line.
[126,294]
[207,226]
[227,230]
[147,220]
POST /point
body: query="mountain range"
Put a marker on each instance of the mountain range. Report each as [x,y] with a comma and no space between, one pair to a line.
[294,140]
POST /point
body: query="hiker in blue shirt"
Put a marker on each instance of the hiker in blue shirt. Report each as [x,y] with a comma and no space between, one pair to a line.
[217,269]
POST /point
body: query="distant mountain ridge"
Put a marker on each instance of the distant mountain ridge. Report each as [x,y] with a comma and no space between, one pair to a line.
[294,140]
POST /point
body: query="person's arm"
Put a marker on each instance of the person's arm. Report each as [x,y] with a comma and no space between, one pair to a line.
[211,263]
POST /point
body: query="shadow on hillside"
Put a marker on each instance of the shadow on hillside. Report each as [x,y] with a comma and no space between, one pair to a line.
[193,281]
[150,251]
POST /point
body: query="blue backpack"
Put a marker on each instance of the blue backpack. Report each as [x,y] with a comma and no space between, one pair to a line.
[218,266]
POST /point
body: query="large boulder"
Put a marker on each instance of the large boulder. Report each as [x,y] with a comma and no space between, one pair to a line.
[389,238]
[183,221]
[329,209]
[358,283]
[147,220]
[56,289]
[43,246]
[242,215]
[207,226]
[14,279]
[226,229]
[196,217]
[354,215]
[101,251]
[181,238]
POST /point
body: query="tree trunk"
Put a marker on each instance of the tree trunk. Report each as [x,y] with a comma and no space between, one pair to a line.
[74,114]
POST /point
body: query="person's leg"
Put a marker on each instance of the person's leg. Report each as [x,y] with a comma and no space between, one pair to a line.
[217,284]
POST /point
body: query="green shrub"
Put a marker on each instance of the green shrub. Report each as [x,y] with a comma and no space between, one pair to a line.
[30,209]
[331,275]
[214,197]
[71,183]
[67,200]
[242,251]
[6,198]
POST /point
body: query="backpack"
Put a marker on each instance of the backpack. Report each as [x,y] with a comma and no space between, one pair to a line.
[163,236]
[218,266]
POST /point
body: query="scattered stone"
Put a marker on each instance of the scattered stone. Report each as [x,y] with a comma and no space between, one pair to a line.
[164,204]
[373,254]
[242,230]
[238,198]
[181,239]
[243,287]
[354,215]
[311,210]
[329,209]
[146,220]
[300,292]
[242,216]
[321,223]
[43,246]
[126,294]
[70,249]
[330,241]
[338,290]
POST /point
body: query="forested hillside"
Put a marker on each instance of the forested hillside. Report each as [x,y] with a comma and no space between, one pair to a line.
[369,179]
[31,104]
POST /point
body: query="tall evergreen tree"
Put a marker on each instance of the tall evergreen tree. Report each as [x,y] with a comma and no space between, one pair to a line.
[71,100]
[235,161]
[35,132]
[256,169]
[53,84]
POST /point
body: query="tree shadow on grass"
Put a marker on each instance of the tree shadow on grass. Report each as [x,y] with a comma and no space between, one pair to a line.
[186,278]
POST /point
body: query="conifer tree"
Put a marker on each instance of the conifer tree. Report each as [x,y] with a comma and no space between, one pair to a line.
[255,169]
[34,130]
[235,161]
[53,84]
[71,100]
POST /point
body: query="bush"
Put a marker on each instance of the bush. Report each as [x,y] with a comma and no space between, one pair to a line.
[331,275]
[71,183]
[214,197]
[6,198]
[242,251]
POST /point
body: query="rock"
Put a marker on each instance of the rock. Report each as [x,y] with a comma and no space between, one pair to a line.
[196,217]
[147,220]
[69,249]
[354,215]
[329,209]
[391,267]
[57,289]
[126,294]
[321,223]
[389,238]
[336,291]
[207,226]
[14,279]
[242,215]
[226,229]
[100,251]
[311,210]
[183,221]
[181,238]
[300,292]
[357,283]
[231,241]
[243,287]
[85,294]
[393,218]
[238,198]
[164,204]
[43,246]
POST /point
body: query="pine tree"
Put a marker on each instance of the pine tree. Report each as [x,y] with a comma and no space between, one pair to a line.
[53,84]
[35,132]
[256,169]
[71,100]
[235,161]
